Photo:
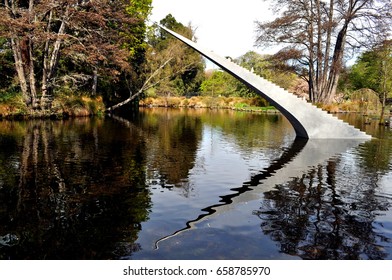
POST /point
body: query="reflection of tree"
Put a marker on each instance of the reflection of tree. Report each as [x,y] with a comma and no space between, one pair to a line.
[377,156]
[250,130]
[173,138]
[174,135]
[76,191]
[313,218]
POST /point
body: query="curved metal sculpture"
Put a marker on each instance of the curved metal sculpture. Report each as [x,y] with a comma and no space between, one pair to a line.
[308,120]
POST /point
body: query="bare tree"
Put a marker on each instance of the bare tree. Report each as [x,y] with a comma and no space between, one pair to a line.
[318,33]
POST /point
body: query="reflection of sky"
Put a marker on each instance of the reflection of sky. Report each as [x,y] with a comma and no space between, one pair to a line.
[219,162]
[219,166]
[385,191]
[383,224]
[385,184]
[353,173]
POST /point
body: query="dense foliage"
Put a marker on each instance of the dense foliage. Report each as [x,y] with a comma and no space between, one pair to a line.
[219,83]
[373,70]
[71,45]
[184,68]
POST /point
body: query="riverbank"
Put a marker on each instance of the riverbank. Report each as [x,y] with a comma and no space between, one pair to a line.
[82,106]
[254,104]
[62,107]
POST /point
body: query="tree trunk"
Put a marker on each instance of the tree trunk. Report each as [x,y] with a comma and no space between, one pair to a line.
[383,103]
[23,52]
[312,96]
[118,105]
[329,93]
[384,73]
[319,65]
[45,86]
[95,82]
[16,50]
[33,89]
[145,86]
[50,61]
[312,81]
[17,53]
[327,45]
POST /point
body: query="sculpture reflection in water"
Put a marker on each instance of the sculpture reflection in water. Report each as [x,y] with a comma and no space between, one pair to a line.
[304,214]
[314,218]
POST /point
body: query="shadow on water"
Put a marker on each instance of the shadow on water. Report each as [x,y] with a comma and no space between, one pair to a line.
[299,157]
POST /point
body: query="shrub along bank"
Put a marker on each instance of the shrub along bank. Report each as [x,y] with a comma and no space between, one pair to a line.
[234,103]
[62,107]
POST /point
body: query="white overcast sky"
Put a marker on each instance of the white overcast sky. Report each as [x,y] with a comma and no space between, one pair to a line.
[225,27]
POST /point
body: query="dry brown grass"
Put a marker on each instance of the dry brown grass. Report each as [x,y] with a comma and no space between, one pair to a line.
[4,110]
[75,106]
[349,106]
[330,108]
[201,102]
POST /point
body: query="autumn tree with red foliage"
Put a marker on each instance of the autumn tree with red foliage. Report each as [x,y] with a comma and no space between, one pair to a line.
[91,35]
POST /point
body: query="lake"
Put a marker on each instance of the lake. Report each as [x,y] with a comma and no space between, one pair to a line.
[192,184]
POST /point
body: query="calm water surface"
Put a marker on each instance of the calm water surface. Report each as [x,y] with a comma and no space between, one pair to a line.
[192,184]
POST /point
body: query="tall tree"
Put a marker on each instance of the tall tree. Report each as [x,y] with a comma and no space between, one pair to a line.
[170,67]
[266,66]
[44,33]
[135,43]
[218,83]
[7,69]
[317,34]
[373,70]
[183,74]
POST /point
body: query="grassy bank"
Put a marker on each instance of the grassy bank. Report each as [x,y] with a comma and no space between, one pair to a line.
[254,104]
[371,109]
[65,106]
[62,107]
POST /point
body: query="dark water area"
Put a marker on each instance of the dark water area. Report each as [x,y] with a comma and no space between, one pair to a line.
[192,184]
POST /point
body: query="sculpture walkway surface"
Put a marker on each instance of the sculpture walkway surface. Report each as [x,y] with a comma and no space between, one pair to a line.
[308,120]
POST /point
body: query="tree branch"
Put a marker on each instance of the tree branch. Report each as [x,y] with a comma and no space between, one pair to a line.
[143,88]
